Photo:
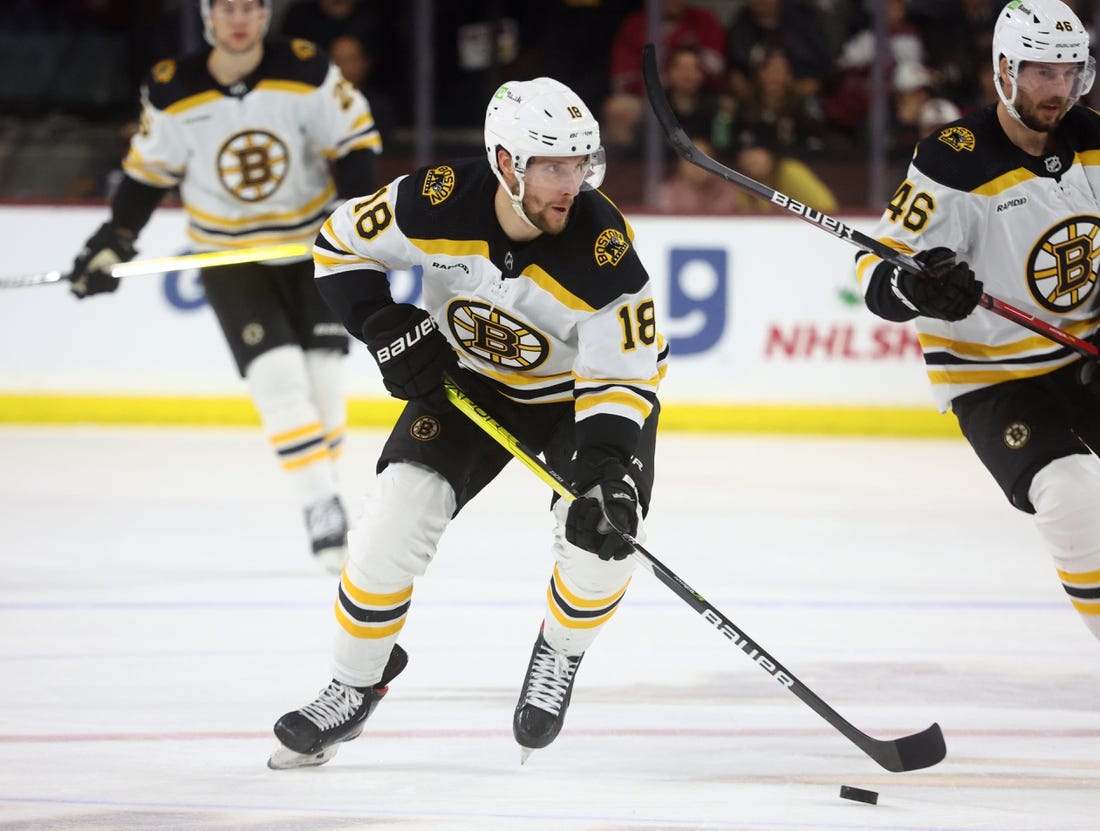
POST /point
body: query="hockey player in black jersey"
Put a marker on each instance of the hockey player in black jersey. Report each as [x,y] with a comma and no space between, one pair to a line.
[532,291]
[246,130]
[1008,198]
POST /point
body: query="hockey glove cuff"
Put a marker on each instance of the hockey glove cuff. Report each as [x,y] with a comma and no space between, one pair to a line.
[944,289]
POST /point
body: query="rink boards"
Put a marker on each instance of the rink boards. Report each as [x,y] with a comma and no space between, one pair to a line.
[763,317]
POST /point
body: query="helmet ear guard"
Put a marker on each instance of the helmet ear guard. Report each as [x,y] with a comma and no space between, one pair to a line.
[1042,31]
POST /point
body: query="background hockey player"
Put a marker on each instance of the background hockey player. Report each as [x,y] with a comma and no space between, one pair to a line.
[260,138]
[1012,190]
[532,285]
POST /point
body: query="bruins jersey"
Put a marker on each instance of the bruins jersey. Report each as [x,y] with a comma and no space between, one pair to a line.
[250,160]
[1028,226]
[559,318]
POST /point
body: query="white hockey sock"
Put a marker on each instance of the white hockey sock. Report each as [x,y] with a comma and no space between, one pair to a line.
[404,516]
[1066,496]
[325,368]
[584,592]
[280,388]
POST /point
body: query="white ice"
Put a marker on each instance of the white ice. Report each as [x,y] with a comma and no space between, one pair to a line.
[158,612]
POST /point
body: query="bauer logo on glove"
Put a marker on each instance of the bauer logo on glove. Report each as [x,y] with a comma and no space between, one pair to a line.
[406,341]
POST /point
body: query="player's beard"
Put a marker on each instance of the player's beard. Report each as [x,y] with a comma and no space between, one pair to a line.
[1030,114]
[545,218]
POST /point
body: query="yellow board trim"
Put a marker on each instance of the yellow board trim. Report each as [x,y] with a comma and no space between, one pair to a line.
[231,411]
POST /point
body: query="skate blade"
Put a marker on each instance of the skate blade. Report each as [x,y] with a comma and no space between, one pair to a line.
[525,754]
[286,759]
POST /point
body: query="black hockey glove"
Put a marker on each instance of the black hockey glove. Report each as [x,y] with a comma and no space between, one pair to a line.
[607,493]
[107,247]
[411,353]
[944,288]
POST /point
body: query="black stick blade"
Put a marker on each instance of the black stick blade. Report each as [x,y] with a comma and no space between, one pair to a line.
[920,750]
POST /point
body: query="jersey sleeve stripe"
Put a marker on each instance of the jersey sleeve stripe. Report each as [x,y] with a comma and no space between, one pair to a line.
[150,173]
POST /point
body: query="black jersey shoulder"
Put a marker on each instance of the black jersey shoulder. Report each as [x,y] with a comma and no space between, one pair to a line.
[968,152]
[594,258]
[294,60]
[450,199]
[1082,128]
[974,150]
[174,79]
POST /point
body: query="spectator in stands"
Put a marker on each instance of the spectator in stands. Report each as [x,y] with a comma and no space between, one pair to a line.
[569,41]
[761,158]
[692,190]
[683,26]
[935,113]
[913,87]
[957,38]
[685,82]
[794,26]
[847,101]
[322,21]
[775,105]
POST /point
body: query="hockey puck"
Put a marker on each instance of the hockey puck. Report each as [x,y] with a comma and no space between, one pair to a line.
[859,795]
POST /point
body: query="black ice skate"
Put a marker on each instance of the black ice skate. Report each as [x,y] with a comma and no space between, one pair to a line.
[327,525]
[312,735]
[544,698]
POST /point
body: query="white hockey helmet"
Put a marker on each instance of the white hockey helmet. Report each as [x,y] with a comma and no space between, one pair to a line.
[541,117]
[204,10]
[1044,31]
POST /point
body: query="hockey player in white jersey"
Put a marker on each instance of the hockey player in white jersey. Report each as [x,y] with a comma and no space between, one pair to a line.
[261,138]
[1010,194]
[532,291]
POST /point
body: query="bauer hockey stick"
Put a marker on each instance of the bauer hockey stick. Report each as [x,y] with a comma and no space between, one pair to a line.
[690,153]
[919,750]
[162,265]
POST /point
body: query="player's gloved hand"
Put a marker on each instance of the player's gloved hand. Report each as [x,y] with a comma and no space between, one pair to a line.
[411,353]
[944,288]
[107,247]
[607,493]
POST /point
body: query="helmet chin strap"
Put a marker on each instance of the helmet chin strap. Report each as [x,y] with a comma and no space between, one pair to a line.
[1009,102]
[515,198]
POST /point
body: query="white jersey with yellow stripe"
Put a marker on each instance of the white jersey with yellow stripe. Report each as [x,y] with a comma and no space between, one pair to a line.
[560,318]
[1028,226]
[252,160]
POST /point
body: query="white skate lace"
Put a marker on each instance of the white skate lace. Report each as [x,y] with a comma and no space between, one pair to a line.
[549,679]
[336,704]
[326,519]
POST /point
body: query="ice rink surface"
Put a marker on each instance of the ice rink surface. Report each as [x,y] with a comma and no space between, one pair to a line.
[159,610]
